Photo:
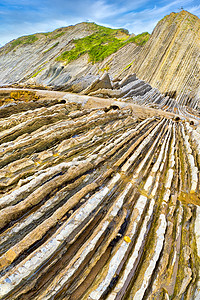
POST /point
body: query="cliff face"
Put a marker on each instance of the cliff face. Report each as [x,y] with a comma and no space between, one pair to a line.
[25,57]
[99,198]
[170,59]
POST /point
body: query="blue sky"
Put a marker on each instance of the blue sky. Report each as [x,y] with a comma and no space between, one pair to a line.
[23,17]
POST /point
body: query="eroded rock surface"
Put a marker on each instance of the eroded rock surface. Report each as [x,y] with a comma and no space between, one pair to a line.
[99,203]
[169,61]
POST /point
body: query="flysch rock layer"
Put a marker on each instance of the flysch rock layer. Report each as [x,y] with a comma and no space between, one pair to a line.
[99,198]
[169,61]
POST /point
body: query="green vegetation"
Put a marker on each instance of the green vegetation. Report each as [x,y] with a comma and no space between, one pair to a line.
[101,44]
[140,39]
[57,35]
[55,45]
[105,69]
[30,39]
[34,75]
[24,40]
[53,35]
[46,33]
[128,65]
[124,31]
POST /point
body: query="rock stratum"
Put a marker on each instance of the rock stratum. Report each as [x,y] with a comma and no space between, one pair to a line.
[99,198]
[42,60]
[170,59]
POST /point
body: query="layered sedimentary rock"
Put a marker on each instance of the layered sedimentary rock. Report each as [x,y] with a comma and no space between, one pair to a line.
[130,89]
[98,202]
[22,61]
[170,59]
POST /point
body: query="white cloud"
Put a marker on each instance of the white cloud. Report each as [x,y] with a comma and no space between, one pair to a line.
[100,10]
[195,10]
[146,19]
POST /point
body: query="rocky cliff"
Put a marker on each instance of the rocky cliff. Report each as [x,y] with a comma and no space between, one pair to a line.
[170,59]
[100,196]
[72,58]
[26,57]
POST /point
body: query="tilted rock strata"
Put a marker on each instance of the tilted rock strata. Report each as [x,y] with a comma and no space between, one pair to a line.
[170,59]
[36,63]
[133,90]
[24,61]
[98,204]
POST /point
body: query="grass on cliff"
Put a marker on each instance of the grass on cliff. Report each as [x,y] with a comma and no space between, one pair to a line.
[24,40]
[30,39]
[140,39]
[101,44]
[52,47]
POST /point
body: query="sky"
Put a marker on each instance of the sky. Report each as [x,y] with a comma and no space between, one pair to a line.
[24,17]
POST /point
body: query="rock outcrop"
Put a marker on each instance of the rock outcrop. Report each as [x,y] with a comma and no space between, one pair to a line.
[100,192]
[25,60]
[97,202]
[170,59]
[99,83]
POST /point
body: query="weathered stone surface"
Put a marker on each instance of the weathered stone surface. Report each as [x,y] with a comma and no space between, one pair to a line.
[100,198]
[170,59]
[127,79]
[101,83]
[100,203]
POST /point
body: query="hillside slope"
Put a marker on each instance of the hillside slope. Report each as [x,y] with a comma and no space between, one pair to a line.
[23,57]
[65,55]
